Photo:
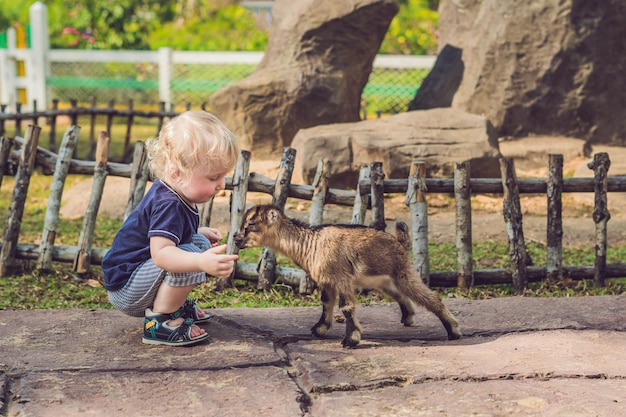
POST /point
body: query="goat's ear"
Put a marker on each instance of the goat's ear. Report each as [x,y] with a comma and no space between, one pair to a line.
[272,215]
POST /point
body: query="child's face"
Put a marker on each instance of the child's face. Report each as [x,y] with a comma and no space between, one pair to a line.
[202,185]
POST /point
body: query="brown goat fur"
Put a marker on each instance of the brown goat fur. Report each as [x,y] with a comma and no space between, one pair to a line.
[341,258]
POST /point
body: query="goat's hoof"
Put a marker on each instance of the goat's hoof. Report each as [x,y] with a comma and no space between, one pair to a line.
[319,331]
[408,321]
[455,336]
[349,344]
[352,341]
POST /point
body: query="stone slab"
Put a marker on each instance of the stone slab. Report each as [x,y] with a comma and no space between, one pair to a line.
[554,354]
[523,398]
[225,393]
[38,340]
[476,318]
[519,356]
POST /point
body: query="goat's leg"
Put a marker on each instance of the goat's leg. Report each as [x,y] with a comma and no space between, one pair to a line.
[423,295]
[407,306]
[347,306]
[329,298]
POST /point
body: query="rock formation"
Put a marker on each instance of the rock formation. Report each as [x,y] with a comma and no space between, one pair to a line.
[317,62]
[537,66]
[440,137]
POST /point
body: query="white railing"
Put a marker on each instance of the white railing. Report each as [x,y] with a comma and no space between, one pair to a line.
[33,86]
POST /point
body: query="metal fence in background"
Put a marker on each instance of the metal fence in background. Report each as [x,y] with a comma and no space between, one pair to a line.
[151,77]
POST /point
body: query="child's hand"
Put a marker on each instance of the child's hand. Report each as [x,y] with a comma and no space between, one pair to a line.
[220,266]
[210,233]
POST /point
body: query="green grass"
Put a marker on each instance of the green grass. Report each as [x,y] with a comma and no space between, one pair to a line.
[28,288]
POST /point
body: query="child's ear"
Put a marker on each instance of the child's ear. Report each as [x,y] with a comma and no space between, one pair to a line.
[173,172]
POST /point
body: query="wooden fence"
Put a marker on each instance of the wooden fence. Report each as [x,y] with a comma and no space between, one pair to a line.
[90,114]
[368,195]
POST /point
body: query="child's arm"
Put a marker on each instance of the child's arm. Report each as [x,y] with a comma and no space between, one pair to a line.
[167,256]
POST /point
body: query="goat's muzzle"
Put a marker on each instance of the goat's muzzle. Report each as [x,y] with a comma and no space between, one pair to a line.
[240,240]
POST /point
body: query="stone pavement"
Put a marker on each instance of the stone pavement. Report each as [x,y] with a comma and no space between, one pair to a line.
[519,357]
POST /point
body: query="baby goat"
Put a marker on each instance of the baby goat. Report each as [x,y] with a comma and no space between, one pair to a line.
[341,258]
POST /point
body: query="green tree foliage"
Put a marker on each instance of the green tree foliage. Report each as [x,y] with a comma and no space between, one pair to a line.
[206,28]
[413,31]
[99,24]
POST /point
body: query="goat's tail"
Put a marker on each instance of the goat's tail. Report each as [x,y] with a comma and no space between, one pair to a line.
[402,234]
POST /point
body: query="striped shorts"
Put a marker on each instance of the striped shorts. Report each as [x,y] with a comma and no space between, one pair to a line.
[141,289]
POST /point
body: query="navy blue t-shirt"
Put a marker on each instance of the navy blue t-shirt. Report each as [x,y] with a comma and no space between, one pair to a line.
[162,212]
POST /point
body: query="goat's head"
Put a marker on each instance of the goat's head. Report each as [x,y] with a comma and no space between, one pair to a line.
[259,225]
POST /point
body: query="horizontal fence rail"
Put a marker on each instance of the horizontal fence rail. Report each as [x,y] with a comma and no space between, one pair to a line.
[368,194]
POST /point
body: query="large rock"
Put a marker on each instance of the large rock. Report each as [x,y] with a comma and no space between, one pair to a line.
[548,67]
[317,62]
[440,137]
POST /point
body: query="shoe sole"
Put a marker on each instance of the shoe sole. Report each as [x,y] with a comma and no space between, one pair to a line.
[205,319]
[175,343]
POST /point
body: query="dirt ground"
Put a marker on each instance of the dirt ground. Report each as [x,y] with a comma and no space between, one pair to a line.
[530,156]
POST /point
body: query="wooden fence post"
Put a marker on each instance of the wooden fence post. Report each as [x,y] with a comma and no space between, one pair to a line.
[138,178]
[462,197]
[205,214]
[82,262]
[316,214]
[20,190]
[360,200]
[51,220]
[377,178]
[5,150]
[53,126]
[554,237]
[416,200]
[280,192]
[513,219]
[600,165]
[93,142]
[237,210]
[129,127]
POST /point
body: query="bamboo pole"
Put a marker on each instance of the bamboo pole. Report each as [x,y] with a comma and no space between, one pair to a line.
[20,190]
[280,192]
[416,200]
[378,195]
[51,219]
[360,200]
[138,178]
[554,232]
[600,165]
[462,197]
[513,219]
[82,264]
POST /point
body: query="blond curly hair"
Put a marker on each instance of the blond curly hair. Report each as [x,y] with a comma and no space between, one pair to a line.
[193,140]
